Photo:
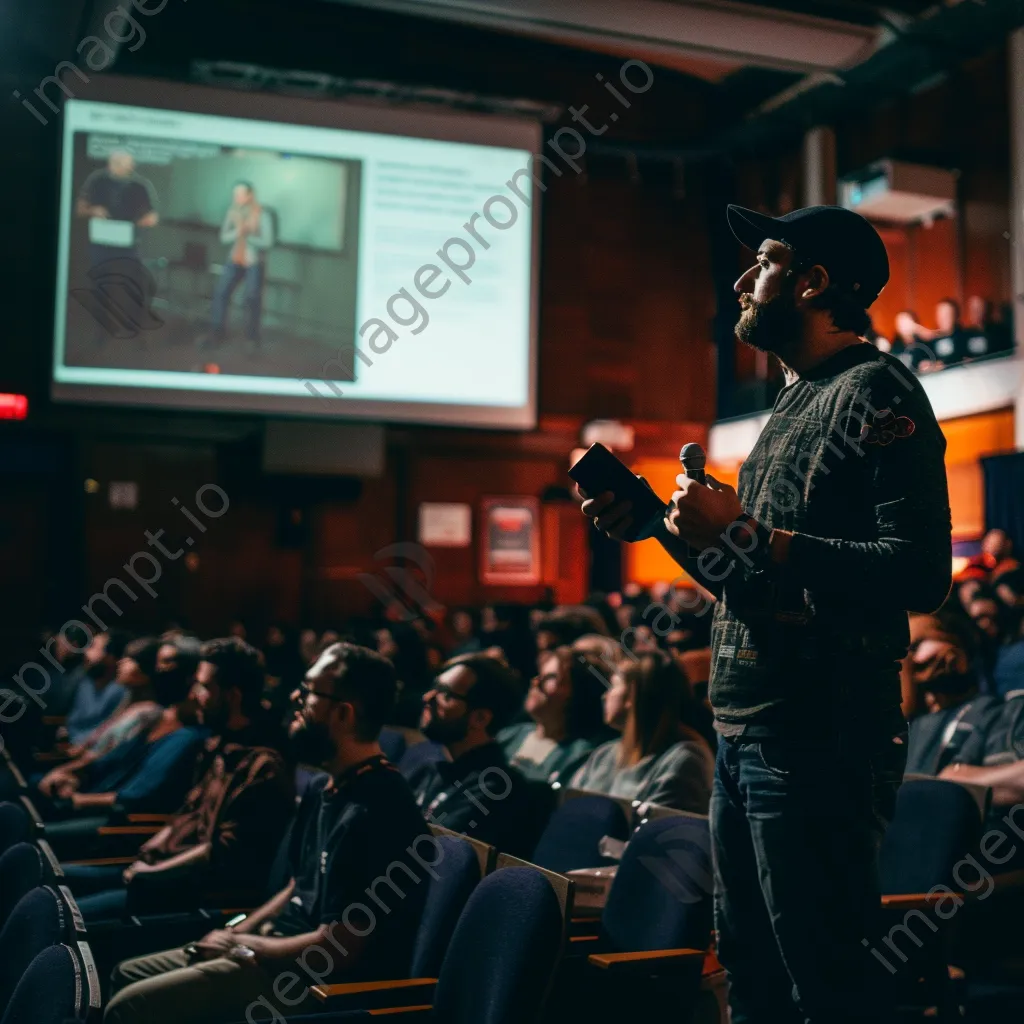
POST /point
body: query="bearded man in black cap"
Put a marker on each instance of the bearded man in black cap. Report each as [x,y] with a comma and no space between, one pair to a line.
[840,526]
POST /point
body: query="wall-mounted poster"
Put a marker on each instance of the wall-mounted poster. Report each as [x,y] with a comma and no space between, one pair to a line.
[445,524]
[510,541]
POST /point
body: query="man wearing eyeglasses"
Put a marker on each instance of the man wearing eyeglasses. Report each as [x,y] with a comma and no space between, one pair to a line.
[473,790]
[352,907]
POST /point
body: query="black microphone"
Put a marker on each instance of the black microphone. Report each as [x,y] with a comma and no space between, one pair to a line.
[693,459]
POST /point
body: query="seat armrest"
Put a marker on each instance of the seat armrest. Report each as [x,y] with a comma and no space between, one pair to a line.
[128,830]
[644,963]
[38,825]
[19,779]
[1009,880]
[51,858]
[398,994]
[105,861]
[150,819]
[51,756]
[917,900]
[424,1012]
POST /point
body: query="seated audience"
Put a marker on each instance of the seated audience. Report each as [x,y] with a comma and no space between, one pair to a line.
[464,626]
[565,706]
[284,667]
[1008,669]
[355,826]
[403,646]
[138,711]
[150,771]
[910,344]
[224,839]
[508,626]
[68,645]
[953,720]
[473,790]
[948,340]
[661,757]
[97,695]
[987,333]
[564,626]
[1009,588]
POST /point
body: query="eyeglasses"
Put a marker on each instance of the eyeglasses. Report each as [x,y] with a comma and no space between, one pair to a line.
[447,691]
[305,690]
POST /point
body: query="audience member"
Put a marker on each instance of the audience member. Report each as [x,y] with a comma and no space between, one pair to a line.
[97,694]
[948,340]
[508,626]
[954,721]
[1009,588]
[139,709]
[223,840]
[284,668]
[564,626]
[464,626]
[473,790]
[909,344]
[403,646]
[355,826]
[661,757]
[989,333]
[978,342]
[564,703]
[69,646]
[1008,669]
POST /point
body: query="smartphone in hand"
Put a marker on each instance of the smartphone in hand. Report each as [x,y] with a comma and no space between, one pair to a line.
[598,470]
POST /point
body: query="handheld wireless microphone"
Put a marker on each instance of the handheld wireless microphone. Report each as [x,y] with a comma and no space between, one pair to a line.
[694,459]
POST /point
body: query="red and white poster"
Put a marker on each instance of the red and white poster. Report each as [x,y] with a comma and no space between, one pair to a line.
[510,541]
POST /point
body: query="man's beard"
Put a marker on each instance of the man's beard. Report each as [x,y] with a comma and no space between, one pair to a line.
[445,731]
[774,325]
[310,743]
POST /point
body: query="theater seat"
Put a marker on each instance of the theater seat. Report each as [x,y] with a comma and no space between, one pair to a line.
[500,961]
[654,932]
[936,825]
[58,986]
[570,840]
[458,874]
[458,871]
[40,919]
[15,825]
[393,744]
[23,868]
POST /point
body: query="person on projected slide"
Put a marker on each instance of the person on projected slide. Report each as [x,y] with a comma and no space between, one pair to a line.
[248,230]
[117,201]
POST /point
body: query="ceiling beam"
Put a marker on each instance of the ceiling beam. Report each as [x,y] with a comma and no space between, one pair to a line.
[711,29]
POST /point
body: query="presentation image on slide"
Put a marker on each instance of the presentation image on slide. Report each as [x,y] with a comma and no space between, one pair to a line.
[221,250]
[194,256]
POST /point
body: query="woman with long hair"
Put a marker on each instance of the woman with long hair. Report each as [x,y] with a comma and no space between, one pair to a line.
[661,757]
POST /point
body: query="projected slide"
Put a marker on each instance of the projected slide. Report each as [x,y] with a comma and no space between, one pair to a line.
[227,262]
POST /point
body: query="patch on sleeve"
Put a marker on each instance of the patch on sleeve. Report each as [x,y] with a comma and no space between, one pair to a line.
[885,426]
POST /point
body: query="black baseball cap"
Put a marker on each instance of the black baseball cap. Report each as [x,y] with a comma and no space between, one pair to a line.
[842,241]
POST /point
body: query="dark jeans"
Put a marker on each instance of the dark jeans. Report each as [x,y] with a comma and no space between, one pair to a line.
[796,827]
[252,298]
[98,889]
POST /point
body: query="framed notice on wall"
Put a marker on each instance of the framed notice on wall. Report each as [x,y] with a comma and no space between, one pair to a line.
[510,541]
